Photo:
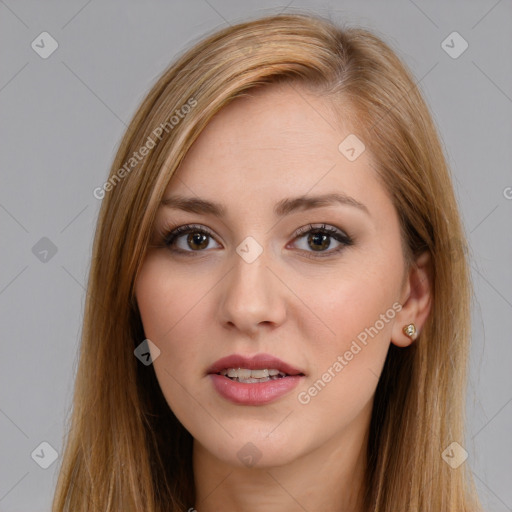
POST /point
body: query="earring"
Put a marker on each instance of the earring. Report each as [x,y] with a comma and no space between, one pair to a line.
[410,330]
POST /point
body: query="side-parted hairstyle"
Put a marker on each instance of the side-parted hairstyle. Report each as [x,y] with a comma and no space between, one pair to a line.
[124,449]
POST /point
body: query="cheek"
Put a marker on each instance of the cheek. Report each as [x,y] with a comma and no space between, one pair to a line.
[168,299]
[349,301]
[171,308]
[358,309]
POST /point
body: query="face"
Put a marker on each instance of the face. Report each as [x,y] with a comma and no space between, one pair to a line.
[318,285]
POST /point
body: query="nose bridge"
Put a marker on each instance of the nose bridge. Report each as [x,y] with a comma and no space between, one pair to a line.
[251,295]
[250,273]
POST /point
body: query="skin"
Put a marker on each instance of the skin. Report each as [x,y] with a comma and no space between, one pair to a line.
[277,143]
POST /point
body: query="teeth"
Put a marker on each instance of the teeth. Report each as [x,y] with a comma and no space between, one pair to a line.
[252,381]
[258,374]
[250,376]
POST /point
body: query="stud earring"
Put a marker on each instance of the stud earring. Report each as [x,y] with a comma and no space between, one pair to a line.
[410,330]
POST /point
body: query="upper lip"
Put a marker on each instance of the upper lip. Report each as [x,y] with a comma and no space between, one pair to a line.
[257,362]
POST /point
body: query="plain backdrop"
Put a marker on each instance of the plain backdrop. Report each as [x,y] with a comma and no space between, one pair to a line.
[64,115]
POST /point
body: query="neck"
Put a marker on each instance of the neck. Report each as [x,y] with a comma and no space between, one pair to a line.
[329,477]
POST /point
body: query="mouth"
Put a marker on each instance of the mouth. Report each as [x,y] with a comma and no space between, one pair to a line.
[260,368]
[252,376]
[253,381]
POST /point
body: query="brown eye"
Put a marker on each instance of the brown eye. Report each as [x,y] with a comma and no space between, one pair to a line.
[197,239]
[319,241]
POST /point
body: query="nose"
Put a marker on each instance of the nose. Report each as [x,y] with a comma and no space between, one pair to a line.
[252,296]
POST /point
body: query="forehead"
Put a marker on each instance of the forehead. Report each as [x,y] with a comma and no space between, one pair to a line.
[277,125]
[277,141]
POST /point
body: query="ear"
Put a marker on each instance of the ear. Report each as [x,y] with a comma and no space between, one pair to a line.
[416,300]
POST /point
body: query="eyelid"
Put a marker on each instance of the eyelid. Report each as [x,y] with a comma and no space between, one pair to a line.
[321,227]
[338,234]
[171,234]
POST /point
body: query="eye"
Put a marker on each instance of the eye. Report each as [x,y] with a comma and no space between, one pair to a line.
[191,239]
[319,239]
[197,239]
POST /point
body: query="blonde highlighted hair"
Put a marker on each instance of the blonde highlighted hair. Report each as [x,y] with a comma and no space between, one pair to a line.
[125,450]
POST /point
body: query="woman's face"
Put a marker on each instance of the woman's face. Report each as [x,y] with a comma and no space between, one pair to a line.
[258,279]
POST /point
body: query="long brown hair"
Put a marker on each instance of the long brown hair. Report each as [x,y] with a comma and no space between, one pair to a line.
[125,450]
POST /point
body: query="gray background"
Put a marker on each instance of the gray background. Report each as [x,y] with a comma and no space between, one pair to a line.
[63,118]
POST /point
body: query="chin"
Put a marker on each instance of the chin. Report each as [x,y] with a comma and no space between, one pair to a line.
[254,448]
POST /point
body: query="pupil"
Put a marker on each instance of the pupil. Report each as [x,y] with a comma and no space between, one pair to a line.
[320,239]
[195,238]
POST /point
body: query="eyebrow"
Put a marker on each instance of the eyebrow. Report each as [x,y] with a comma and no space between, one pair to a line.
[282,208]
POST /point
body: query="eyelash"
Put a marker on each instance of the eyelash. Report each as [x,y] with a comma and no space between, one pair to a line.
[169,236]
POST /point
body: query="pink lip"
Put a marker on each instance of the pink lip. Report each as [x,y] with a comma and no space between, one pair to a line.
[257,362]
[258,393]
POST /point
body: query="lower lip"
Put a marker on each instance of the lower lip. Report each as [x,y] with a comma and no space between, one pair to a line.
[257,393]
